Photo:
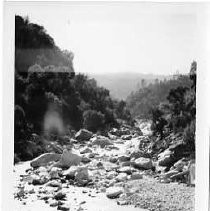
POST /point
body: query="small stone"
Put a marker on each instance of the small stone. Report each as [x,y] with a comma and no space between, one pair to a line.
[60,195]
[136,176]
[63,207]
[83,135]
[54,173]
[111,175]
[113,160]
[121,177]
[114,192]
[38,180]
[86,159]
[53,203]
[123,158]
[144,163]
[91,155]
[70,173]
[122,203]
[99,164]
[54,183]
[86,150]
[126,169]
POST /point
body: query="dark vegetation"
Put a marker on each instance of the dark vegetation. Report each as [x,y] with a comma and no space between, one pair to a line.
[149,96]
[171,105]
[49,97]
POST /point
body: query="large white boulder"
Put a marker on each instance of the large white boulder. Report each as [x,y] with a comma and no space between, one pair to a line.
[68,159]
[144,163]
[44,159]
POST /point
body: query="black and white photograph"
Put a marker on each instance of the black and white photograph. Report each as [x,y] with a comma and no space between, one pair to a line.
[104,106]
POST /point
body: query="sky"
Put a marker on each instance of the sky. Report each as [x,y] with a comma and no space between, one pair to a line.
[157,38]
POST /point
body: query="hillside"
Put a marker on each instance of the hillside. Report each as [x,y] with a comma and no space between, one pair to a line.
[141,101]
[122,84]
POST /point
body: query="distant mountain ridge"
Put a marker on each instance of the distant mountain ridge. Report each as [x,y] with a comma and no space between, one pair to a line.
[122,84]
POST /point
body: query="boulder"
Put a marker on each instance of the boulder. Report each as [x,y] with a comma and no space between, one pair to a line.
[70,173]
[121,177]
[68,159]
[114,192]
[136,176]
[54,183]
[160,169]
[111,175]
[42,171]
[179,165]
[44,159]
[82,175]
[85,150]
[126,137]
[53,203]
[137,154]
[123,158]
[112,137]
[126,169]
[115,132]
[60,195]
[165,158]
[83,135]
[64,207]
[101,141]
[92,155]
[86,160]
[143,163]
[113,159]
[169,174]
[54,173]
[165,180]
[37,180]
[127,163]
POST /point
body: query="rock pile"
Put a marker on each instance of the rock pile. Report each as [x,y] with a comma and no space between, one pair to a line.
[103,163]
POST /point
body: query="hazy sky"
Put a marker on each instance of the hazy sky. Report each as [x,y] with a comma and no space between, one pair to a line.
[155,38]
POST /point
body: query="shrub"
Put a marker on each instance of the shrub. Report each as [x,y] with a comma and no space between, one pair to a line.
[158,122]
[93,120]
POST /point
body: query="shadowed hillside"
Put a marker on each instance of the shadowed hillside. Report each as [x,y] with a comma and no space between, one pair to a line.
[122,84]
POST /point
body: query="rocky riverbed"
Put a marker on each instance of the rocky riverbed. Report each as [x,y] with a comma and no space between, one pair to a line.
[104,173]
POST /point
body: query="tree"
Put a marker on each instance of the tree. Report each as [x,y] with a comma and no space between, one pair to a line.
[158,122]
[93,120]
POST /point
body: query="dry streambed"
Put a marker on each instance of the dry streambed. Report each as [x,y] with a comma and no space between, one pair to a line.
[98,174]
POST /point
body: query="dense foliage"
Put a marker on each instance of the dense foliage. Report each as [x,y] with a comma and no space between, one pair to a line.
[149,96]
[49,97]
[178,114]
[170,104]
